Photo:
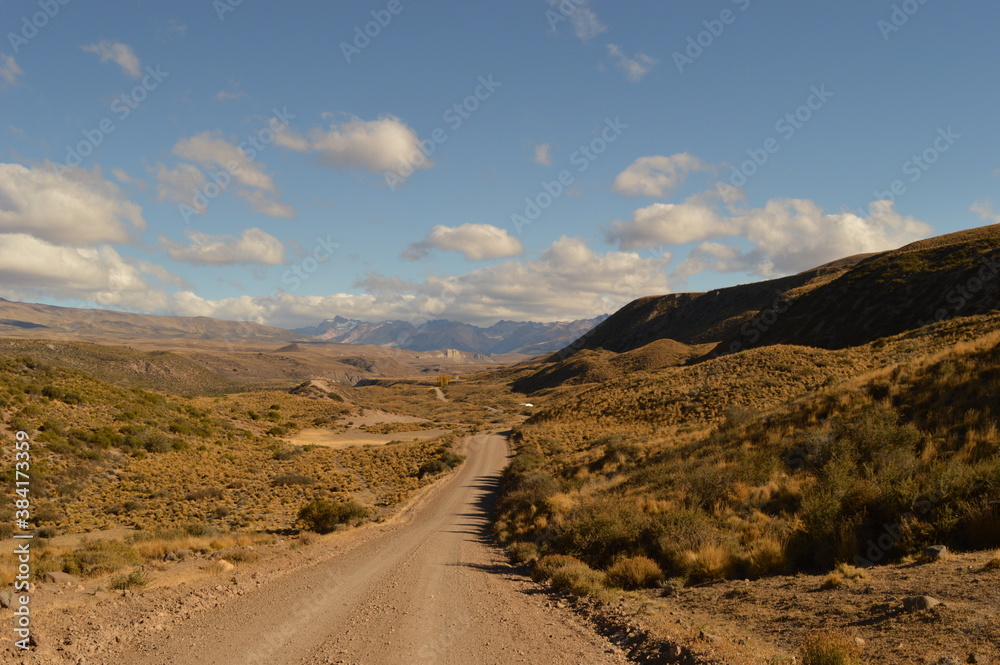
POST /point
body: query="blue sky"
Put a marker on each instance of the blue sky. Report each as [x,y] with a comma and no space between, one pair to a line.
[535,159]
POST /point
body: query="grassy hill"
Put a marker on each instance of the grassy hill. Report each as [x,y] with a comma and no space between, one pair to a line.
[932,280]
[856,426]
[770,460]
[841,304]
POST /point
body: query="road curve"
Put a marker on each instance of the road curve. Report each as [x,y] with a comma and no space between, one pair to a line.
[428,589]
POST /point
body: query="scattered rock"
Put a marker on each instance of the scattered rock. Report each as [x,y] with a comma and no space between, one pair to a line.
[59,577]
[225,566]
[7,599]
[948,660]
[708,637]
[859,641]
[935,552]
[978,658]
[918,603]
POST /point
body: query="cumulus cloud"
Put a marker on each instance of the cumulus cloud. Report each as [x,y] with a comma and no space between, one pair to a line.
[118,53]
[986,211]
[671,224]
[69,206]
[476,241]
[374,145]
[783,237]
[9,69]
[635,68]
[543,154]
[266,205]
[657,175]
[228,163]
[215,151]
[179,183]
[567,281]
[32,269]
[585,23]
[252,246]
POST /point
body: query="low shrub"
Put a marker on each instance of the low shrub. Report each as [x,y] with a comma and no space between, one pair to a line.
[432,468]
[324,516]
[137,579]
[293,479]
[99,558]
[635,572]
[547,565]
[829,649]
[523,552]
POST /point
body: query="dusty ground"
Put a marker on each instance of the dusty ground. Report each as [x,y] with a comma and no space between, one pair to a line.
[425,588]
[329,438]
[764,622]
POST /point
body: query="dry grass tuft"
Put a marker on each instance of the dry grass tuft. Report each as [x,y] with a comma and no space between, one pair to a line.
[636,572]
[830,648]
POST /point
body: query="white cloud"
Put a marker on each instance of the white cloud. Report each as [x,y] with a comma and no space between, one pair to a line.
[785,236]
[207,149]
[543,154]
[375,145]
[671,224]
[31,269]
[986,211]
[9,69]
[265,204]
[585,23]
[123,177]
[635,68]
[119,53]
[476,241]
[179,184]
[791,235]
[715,256]
[228,163]
[657,175]
[65,205]
[568,281]
[252,246]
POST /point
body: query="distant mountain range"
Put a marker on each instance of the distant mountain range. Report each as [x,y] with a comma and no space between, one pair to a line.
[25,319]
[525,337]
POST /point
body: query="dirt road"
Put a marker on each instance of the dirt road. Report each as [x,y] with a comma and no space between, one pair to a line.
[427,589]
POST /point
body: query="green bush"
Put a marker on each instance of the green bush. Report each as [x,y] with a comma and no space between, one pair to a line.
[523,552]
[137,579]
[602,529]
[324,516]
[432,468]
[547,565]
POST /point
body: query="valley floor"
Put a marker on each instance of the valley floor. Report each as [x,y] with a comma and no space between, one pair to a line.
[425,587]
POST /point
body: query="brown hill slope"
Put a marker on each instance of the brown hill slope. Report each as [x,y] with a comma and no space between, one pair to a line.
[697,318]
[20,319]
[932,280]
